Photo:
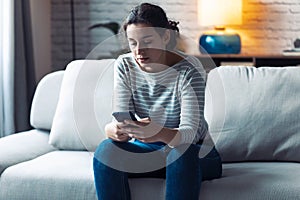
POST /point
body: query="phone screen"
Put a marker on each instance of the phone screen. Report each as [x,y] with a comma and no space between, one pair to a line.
[121,116]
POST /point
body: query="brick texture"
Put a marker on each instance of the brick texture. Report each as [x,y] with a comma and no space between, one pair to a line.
[269,26]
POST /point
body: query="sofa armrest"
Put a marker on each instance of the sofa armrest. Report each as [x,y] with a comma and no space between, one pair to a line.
[23,146]
[45,100]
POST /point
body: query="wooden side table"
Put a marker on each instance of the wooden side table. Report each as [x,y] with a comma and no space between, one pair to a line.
[211,61]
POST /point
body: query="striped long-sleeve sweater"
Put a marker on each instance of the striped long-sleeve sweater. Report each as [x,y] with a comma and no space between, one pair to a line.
[173,98]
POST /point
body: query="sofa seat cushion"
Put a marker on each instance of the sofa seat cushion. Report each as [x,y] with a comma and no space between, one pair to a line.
[55,175]
[255,180]
[69,175]
[23,146]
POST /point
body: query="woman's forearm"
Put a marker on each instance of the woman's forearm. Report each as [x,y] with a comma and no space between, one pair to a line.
[170,136]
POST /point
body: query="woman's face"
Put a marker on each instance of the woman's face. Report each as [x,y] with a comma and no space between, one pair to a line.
[147,46]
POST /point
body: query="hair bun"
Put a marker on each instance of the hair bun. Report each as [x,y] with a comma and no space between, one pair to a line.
[173,25]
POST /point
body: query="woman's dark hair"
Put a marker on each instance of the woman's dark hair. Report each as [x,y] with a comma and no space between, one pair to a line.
[154,16]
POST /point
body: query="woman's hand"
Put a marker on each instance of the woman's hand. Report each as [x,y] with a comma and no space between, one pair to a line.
[114,132]
[147,131]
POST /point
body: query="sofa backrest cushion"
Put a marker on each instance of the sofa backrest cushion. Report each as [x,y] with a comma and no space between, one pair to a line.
[84,106]
[45,101]
[254,113]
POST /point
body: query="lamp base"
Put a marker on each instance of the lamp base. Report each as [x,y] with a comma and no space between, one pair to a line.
[220,44]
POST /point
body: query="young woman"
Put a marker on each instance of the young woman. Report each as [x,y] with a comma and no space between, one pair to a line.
[165,88]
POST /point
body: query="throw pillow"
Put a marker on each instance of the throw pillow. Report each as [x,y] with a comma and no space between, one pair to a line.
[254,113]
[84,106]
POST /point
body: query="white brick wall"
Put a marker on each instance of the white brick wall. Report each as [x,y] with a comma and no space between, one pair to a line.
[269,26]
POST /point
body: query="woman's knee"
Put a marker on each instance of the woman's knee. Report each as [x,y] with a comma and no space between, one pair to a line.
[104,149]
[109,151]
[104,146]
[184,153]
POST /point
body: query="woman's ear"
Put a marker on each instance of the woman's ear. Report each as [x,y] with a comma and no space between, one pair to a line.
[167,37]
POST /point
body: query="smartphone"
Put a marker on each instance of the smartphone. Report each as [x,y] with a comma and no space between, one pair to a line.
[121,116]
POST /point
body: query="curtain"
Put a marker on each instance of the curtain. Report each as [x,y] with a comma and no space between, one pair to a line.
[6,68]
[17,72]
[24,73]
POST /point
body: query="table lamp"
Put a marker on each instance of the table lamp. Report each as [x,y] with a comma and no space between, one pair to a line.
[219,13]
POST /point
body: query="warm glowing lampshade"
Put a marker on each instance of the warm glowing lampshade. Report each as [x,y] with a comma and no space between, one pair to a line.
[219,13]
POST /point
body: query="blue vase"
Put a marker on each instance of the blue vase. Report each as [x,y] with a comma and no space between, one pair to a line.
[220,44]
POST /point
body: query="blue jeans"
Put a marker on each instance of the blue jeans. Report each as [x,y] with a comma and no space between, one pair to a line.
[183,169]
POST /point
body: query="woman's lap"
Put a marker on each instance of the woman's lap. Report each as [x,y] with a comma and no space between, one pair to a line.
[109,150]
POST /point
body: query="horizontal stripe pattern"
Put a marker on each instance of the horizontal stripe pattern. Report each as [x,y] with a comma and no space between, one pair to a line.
[173,98]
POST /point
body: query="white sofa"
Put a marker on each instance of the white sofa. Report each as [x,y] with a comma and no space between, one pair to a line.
[253,114]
